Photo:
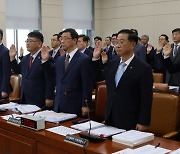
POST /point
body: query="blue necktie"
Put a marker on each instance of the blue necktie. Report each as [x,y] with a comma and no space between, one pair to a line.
[119,73]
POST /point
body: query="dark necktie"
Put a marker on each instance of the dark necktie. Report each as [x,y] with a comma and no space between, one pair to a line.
[31,61]
[66,63]
[175,49]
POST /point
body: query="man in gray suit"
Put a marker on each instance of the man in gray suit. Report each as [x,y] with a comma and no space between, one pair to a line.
[139,50]
[172,58]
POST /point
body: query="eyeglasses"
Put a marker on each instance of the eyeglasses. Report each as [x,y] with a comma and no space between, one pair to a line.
[65,38]
[53,40]
[30,41]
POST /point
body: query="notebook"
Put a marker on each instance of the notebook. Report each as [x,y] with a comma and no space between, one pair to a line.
[55,117]
[133,137]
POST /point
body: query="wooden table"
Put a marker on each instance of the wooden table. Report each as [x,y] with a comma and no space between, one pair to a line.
[19,140]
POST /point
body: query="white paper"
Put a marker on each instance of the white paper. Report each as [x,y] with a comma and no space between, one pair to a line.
[174,88]
[133,137]
[176,151]
[8,106]
[85,126]
[106,131]
[52,116]
[62,130]
[26,108]
[147,149]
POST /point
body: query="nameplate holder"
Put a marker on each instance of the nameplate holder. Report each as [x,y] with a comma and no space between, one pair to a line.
[76,140]
[14,121]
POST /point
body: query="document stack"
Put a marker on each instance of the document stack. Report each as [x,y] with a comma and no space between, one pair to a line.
[133,137]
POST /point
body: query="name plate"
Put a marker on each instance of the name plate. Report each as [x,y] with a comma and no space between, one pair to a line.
[76,140]
[14,121]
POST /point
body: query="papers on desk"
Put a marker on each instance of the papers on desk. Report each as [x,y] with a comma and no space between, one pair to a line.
[147,149]
[8,106]
[11,115]
[23,108]
[174,88]
[106,131]
[52,116]
[26,108]
[62,130]
[175,151]
[133,137]
[85,126]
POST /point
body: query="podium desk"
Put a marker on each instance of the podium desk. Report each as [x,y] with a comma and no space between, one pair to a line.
[20,140]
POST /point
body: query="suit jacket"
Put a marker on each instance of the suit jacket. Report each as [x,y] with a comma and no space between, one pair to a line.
[4,69]
[91,48]
[56,56]
[140,51]
[89,53]
[110,52]
[173,66]
[73,85]
[130,102]
[37,82]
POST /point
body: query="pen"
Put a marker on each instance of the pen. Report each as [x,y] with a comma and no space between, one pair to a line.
[157,145]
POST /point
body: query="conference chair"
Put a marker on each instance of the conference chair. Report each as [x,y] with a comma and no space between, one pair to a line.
[158,77]
[165,115]
[160,86]
[15,81]
[100,101]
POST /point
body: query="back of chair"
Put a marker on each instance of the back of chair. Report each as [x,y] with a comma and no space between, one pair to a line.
[15,81]
[160,86]
[165,114]
[100,102]
[158,77]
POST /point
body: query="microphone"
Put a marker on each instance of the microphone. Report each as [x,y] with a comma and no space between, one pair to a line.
[89,136]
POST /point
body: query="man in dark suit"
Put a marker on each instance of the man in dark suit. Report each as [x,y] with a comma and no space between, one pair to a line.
[73,77]
[129,84]
[108,48]
[88,44]
[37,86]
[81,44]
[4,69]
[57,48]
[172,58]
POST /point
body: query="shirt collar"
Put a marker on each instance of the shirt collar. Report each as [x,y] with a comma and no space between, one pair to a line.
[83,50]
[177,44]
[1,43]
[71,54]
[127,62]
[56,50]
[35,55]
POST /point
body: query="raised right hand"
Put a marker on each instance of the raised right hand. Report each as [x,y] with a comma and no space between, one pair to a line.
[45,53]
[97,50]
[12,52]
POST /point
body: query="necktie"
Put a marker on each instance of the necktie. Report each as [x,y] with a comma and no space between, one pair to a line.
[66,63]
[31,61]
[119,73]
[175,49]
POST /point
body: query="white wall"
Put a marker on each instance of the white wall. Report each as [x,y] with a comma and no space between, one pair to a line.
[52,18]
[151,17]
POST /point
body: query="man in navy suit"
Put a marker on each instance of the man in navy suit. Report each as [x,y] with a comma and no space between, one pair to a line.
[37,86]
[129,84]
[81,44]
[4,69]
[73,77]
[57,48]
